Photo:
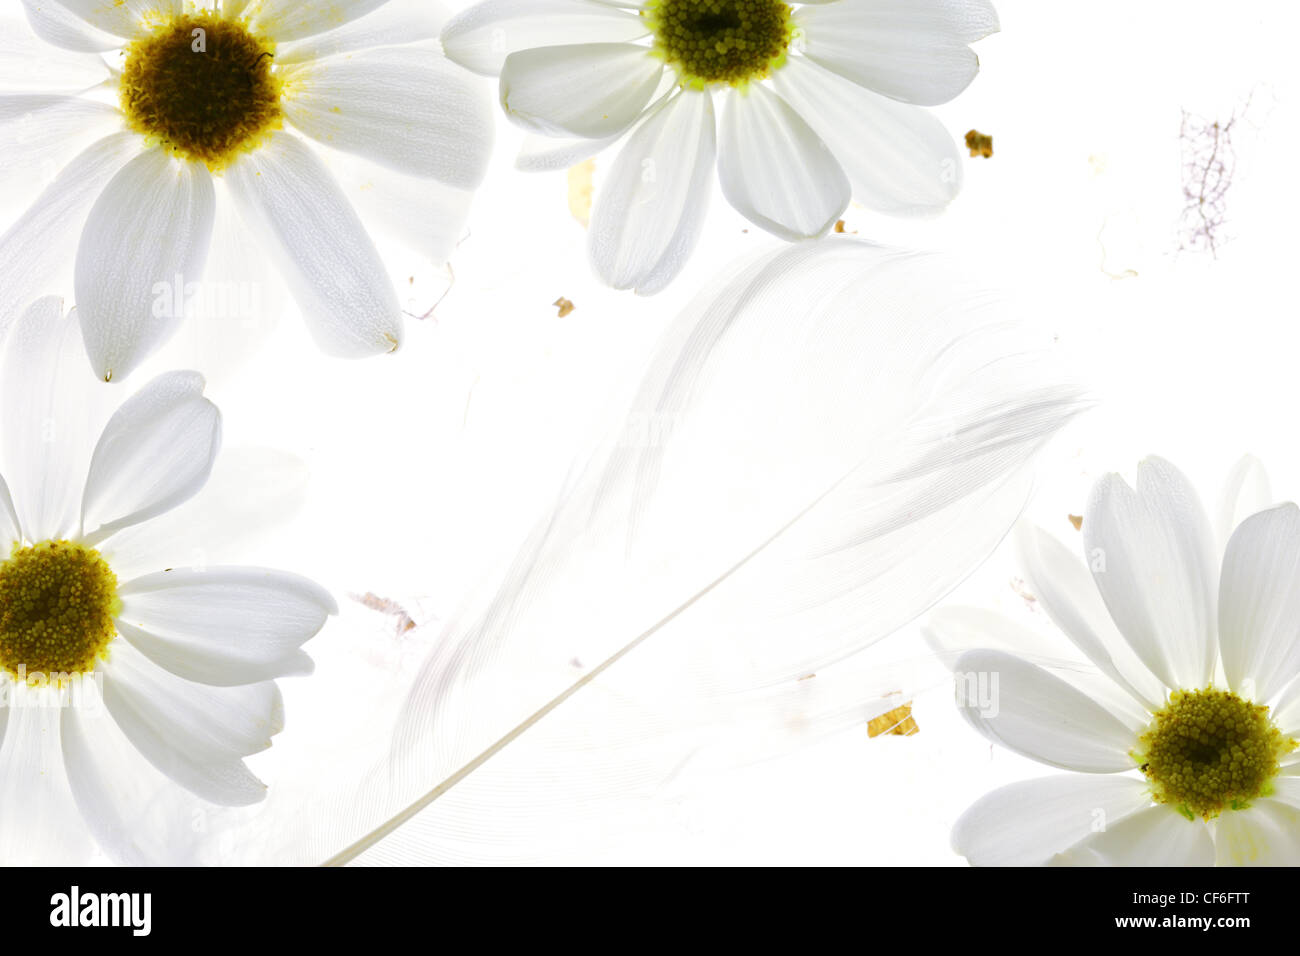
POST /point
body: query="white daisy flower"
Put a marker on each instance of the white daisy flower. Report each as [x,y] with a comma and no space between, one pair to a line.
[820,104]
[172,120]
[1175,700]
[121,678]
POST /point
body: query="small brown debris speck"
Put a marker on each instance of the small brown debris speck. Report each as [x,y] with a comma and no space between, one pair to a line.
[1077,521]
[979,144]
[564,305]
[385,606]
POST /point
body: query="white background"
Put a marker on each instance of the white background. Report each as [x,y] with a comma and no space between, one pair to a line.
[424,467]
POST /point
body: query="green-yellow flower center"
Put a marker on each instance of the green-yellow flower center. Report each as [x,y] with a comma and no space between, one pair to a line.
[1210,751]
[720,41]
[57,604]
[202,87]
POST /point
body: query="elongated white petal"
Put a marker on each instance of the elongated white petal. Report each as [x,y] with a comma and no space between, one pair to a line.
[1286,713]
[1028,823]
[1067,593]
[138,816]
[647,218]
[545,154]
[34,250]
[237,307]
[953,630]
[1259,603]
[40,825]
[147,233]
[775,170]
[1151,553]
[899,158]
[396,23]
[283,20]
[425,216]
[206,721]
[122,18]
[39,132]
[916,52]
[592,90]
[821,447]
[1157,836]
[10,533]
[55,23]
[1024,708]
[1268,834]
[224,626]
[1247,491]
[481,37]
[194,734]
[226,782]
[53,409]
[155,453]
[329,261]
[407,109]
[28,62]
[253,493]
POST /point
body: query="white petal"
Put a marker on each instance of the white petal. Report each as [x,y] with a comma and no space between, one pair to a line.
[899,158]
[1267,834]
[292,19]
[55,23]
[1027,710]
[486,33]
[1158,836]
[1027,823]
[34,251]
[224,626]
[1151,553]
[30,62]
[137,815]
[1247,491]
[426,216]
[211,721]
[123,18]
[953,630]
[155,453]
[40,824]
[10,534]
[148,233]
[1286,790]
[775,170]
[345,294]
[407,109]
[253,494]
[1286,713]
[592,90]
[237,307]
[194,734]
[1259,603]
[546,154]
[43,132]
[649,213]
[916,52]
[396,23]
[1065,590]
[53,409]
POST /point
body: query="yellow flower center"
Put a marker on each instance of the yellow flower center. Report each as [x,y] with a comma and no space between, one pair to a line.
[202,88]
[720,41]
[1210,751]
[57,604]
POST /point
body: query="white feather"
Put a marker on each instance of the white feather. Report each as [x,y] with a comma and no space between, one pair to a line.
[822,446]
